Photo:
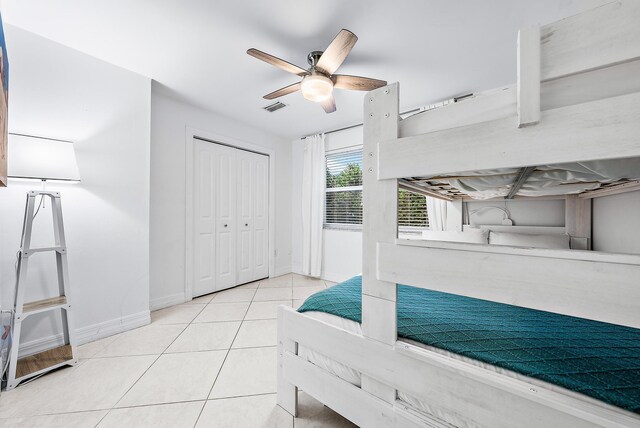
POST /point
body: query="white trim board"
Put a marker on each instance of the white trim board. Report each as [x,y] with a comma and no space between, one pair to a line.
[167,301]
[89,333]
[281,270]
[570,46]
[567,134]
[109,328]
[577,283]
[500,103]
[335,276]
[190,134]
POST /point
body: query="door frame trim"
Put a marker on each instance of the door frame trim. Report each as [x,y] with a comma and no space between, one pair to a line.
[190,135]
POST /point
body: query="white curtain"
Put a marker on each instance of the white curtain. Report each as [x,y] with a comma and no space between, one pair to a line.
[437,212]
[313,188]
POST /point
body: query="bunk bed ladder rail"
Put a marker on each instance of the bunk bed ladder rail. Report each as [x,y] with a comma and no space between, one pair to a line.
[379,223]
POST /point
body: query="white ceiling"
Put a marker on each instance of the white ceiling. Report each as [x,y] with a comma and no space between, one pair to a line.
[196,48]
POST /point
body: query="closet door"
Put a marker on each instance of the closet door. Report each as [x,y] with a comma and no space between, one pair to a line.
[246,193]
[253,216]
[226,216]
[204,217]
[261,217]
[231,213]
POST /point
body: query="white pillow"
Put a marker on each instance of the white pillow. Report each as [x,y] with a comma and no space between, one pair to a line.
[473,236]
[556,241]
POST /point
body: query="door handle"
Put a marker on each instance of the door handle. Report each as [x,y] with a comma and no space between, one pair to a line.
[246,224]
[225,225]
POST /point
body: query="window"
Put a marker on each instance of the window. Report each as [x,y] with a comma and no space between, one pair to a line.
[343,196]
[412,212]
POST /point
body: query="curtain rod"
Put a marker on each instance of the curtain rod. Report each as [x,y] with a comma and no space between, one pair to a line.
[357,124]
[415,110]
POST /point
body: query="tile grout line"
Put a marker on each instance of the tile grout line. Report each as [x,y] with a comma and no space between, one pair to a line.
[109,340]
[187,352]
[225,357]
[127,391]
[185,326]
[106,409]
[73,412]
[163,353]
[148,368]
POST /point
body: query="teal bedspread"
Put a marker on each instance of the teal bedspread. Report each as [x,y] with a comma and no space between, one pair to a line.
[593,358]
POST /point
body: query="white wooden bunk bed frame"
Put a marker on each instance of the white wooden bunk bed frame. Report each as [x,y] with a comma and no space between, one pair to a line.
[577,98]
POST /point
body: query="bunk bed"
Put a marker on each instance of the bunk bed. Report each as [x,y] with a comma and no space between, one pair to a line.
[576,102]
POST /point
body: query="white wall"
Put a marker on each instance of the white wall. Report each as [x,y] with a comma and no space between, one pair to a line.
[616,224]
[342,249]
[342,255]
[169,119]
[61,93]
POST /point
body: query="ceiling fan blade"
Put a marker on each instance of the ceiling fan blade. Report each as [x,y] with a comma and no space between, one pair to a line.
[275,61]
[283,91]
[329,105]
[356,83]
[337,51]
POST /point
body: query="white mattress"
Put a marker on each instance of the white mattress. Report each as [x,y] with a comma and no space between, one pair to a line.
[354,377]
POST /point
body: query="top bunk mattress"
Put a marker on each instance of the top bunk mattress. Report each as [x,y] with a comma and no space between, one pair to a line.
[544,180]
[596,359]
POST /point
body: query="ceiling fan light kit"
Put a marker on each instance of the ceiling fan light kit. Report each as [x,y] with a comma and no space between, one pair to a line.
[316,87]
[319,80]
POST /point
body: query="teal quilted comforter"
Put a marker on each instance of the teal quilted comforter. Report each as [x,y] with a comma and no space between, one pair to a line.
[593,358]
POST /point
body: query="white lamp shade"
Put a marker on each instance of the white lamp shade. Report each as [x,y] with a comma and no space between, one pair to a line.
[41,158]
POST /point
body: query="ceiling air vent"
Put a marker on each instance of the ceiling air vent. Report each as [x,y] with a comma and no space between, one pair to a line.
[274,107]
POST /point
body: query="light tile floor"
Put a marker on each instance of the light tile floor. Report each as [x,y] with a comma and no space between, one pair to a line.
[207,363]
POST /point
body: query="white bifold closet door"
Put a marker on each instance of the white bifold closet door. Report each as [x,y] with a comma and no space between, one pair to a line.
[231,217]
[253,206]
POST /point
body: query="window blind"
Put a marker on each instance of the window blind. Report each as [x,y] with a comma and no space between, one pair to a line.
[343,197]
[412,210]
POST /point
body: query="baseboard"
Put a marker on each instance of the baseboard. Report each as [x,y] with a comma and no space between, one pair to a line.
[166,301]
[329,276]
[88,333]
[335,276]
[296,268]
[282,270]
[41,344]
[111,327]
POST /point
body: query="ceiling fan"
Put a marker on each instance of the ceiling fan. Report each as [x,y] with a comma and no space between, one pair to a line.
[319,80]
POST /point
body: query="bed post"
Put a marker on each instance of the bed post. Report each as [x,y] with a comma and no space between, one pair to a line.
[578,220]
[380,204]
[287,393]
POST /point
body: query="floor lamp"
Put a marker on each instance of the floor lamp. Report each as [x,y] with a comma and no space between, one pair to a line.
[36,158]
